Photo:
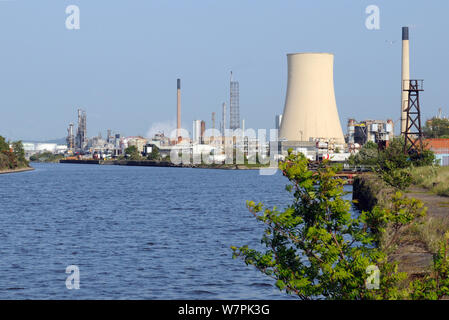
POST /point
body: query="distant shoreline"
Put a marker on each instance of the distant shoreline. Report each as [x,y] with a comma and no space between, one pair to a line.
[16,170]
[150,163]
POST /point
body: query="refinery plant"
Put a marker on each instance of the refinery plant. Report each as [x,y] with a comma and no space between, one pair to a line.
[309,124]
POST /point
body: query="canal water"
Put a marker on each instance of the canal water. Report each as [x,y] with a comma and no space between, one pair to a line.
[133,232]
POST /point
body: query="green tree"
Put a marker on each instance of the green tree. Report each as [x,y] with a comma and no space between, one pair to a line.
[436,128]
[394,166]
[155,154]
[316,249]
[394,154]
[368,155]
[19,152]
[4,146]
[133,153]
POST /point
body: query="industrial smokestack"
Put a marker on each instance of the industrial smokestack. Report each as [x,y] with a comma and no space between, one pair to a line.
[178,131]
[405,77]
[310,110]
[223,119]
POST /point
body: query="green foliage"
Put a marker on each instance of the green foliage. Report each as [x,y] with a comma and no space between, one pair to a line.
[395,167]
[433,178]
[368,155]
[397,178]
[316,249]
[436,128]
[402,213]
[394,155]
[436,285]
[425,158]
[392,164]
[4,146]
[46,157]
[155,154]
[12,159]
[18,150]
[133,153]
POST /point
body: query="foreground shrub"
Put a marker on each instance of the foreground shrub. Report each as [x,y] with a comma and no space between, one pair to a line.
[315,249]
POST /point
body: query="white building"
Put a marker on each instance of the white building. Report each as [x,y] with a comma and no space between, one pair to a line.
[46,147]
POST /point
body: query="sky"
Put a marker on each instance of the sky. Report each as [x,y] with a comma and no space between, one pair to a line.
[122,64]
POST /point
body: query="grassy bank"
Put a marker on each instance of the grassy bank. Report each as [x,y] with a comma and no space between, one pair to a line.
[433,179]
[419,241]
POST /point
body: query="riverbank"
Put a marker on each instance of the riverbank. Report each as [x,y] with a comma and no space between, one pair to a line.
[16,170]
[152,163]
[419,242]
[432,178]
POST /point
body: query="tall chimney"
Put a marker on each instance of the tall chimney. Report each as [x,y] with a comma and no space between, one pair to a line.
[224,118]
[405,77]
[178,131]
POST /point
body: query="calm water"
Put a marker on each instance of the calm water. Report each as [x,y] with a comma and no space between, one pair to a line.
[134,232]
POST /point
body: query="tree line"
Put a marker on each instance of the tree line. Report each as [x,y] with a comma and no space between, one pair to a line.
[12,155]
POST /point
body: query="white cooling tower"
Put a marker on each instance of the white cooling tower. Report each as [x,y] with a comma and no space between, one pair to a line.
[310,110]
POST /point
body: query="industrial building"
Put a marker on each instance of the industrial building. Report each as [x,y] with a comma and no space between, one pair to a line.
[377,131]
[32,148]
[81,134]
[441,149]
[138,142]
[70,137]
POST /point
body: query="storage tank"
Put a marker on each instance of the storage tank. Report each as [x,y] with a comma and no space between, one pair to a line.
[310,110]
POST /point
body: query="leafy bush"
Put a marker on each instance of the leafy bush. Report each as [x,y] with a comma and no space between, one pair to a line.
[155,154]
[368,155]
[12,158]
[46,157]
[133,153]
[315,249]
[392,164]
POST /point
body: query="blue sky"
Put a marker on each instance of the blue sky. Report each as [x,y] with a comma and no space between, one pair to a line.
[122,65]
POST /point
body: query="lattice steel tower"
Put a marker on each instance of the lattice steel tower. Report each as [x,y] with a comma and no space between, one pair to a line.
[413,132]
[81,134]
[234,105]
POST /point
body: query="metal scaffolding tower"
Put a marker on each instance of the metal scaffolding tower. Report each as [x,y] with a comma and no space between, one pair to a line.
[70,137]
[234,105]
[81,133]
[413,131]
